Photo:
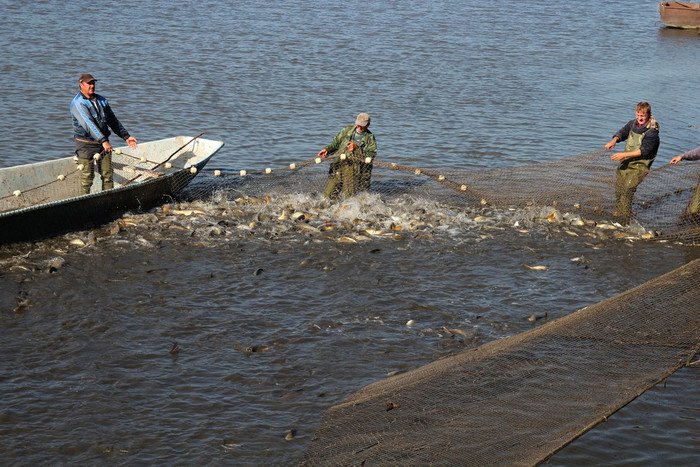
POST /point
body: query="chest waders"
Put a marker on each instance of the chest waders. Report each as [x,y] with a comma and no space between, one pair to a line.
[630,173]
[694,206]
[350,175]
[85,152]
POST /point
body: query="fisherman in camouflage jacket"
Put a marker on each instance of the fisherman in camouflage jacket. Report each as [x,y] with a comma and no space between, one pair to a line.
[351,172]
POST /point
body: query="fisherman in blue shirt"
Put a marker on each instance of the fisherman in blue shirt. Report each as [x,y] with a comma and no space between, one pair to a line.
[92,119]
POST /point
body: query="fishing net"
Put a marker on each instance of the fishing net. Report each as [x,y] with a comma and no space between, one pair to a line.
[575,190]
[502,404]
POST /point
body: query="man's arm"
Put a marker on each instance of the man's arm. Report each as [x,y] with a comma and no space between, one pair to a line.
[115,124]
[118,128]
[369,147]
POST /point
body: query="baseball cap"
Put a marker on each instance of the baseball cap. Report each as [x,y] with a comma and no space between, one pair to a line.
[362,119]
[86,78]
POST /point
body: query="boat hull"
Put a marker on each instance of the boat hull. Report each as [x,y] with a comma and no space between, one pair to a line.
[140,192]
[680,14]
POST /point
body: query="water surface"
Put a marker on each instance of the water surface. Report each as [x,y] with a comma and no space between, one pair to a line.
[272,329]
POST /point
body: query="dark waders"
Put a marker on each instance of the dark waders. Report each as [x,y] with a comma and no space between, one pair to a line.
[349,174]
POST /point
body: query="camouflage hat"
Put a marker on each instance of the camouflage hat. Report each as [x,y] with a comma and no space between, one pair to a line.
[362,119]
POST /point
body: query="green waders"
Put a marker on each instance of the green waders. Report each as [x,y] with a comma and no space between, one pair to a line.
[104,167]
[349,176]
[694,205]
[630,173]
[693,208]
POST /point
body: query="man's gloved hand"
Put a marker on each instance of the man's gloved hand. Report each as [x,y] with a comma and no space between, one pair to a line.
[352,146]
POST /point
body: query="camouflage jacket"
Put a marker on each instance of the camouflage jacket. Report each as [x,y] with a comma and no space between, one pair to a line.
[368,145]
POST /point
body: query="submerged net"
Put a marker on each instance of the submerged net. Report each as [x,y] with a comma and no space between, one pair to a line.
[502,404]
[578,189]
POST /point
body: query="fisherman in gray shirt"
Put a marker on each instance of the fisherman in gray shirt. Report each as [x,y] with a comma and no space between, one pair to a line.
[692,212]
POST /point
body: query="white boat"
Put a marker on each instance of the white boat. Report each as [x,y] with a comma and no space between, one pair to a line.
[43,199]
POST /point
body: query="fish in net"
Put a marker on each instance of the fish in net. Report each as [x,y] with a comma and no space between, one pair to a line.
[518,400]
[582,186]
[500,403]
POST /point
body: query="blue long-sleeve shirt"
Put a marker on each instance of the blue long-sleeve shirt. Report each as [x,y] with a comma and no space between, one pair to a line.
[92,119]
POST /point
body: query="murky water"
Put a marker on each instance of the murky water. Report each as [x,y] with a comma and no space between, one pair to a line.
[202,339]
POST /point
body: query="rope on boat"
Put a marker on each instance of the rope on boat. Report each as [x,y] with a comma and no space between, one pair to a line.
[18,193]
[166,161]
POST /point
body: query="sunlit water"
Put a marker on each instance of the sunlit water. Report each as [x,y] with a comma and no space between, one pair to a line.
[206,338]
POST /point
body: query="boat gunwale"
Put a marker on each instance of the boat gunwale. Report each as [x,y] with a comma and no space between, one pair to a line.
[120,193]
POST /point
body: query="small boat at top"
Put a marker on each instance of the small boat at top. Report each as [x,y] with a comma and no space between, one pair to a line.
[680,14]
[43,199]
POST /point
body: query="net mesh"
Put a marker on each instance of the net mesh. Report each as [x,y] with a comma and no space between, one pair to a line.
[578,189]
[501,404]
